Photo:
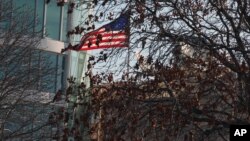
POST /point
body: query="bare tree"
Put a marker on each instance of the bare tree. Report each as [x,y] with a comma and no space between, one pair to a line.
[24,73]
[191,79]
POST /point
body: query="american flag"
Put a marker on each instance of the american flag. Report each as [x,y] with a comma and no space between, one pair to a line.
[114,34]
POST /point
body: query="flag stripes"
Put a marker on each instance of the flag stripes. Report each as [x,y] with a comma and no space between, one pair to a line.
[104,39]
[112,35]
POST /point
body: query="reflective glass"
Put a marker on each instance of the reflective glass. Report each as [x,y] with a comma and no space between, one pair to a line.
[65,16]
[29,4]
[60,72]
[53,20]
[22,11]
[5,15]
[39,14]
[81,63]
[73,63]
[48,81]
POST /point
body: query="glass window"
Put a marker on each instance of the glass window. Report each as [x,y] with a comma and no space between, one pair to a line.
[5,15]
[60,72]
[48,80]
[35,70]
[39,14]
[53,80]
[73,63]
[77,64]
[23,10]
[81,63]
[65,16]
[53,20]
[30,4]
[35,9]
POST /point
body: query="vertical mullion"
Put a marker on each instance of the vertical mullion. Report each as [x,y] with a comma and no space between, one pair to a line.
[44,18]
[61,23]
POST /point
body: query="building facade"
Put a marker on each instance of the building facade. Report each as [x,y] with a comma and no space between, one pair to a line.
[55,20]
[51,21]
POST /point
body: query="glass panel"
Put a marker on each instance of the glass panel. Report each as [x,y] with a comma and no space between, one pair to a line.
[48,81]
[53,81]
[65,16]
[39,15]
[5,15]
[30,4]
[23,10]
[53,20]
[23,16]
[73,63]
[80,66]
[59,72]
[34,67]
[35,10]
